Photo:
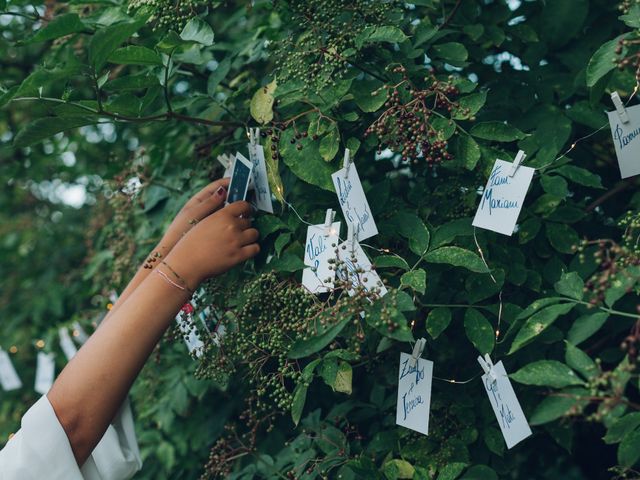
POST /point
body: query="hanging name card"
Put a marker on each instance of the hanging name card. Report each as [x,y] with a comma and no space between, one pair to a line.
[353,201]
[9,379]
[506,406]
[45,373]
[414,393]
[359,269]
[319,248]
[260,179]
[626,140]
[79,333]
[503,197]
[67,345]
[189,331]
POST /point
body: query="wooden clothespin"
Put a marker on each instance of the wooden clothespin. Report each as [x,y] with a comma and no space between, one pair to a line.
[254,136]
[487,366]
[328,221]
[622,112]
[346,163]
[418,348]
[516,163]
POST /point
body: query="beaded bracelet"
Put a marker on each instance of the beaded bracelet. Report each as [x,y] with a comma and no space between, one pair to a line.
[178,277]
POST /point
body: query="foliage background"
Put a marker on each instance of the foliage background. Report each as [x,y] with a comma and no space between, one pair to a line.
[106,134]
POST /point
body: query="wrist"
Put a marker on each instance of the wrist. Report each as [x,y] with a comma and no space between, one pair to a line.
[182,270]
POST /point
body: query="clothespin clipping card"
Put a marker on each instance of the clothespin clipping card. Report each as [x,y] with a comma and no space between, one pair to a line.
[625,128]
[353,201]
[45,372]
[352,236]
[506,407]
[414,390]
[503,196]
[259,173]
[320,249]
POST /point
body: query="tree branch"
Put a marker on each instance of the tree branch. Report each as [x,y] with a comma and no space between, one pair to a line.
[620,187]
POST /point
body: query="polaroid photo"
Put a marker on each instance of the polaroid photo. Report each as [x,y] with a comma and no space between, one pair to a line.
[240,177]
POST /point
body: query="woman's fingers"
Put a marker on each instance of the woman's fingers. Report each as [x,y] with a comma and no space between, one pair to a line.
[210,190]
[249,236]
[209,204]
[240,209]
[249,251]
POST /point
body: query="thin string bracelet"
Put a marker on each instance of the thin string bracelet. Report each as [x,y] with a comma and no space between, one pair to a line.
[178,277]
[166,278]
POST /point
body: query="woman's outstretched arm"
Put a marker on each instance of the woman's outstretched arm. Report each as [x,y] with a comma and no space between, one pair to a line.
[90,390]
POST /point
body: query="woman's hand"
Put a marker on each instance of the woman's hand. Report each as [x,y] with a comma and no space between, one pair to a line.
[216,244]
[202,204]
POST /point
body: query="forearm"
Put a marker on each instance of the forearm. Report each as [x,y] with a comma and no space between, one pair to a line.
[91,389]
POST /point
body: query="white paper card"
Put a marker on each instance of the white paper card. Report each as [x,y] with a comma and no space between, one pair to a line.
[190,333]
[260,179]
[368,278]
[67,345]
[319,249]
[414,393]
[624,140]
[79,333]
[511,419]
[45,373]
[226,161]
[502,198]
[8,376]
[353,202]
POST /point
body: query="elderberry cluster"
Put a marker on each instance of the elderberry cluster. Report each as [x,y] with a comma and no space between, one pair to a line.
[169,14]
[406,124]
[323,38]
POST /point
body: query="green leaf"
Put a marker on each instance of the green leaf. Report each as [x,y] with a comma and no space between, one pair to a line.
[375,34]
[458,257]
[369,94]
[497,131]
[411,227]
[451,471]
[390,261]
[131,82]
[555,185]
[538,323]
[287,262]
[398,469]
[562,20]
[580,361]
[570,285]
[629,449]
[198,31]
[60,26]
[329,144]
[469,105]
[218,75]
[437,321]
[297,404]
[47,127]
[479,472]
[467,151]
[621,427]
[304,348]
[494,440]
[562,237]
[620,284]
[108,39]
[632,18]
[344,378]
[580,176]
[547,373]
[479,331]
[262,103]
[603,61]
[416,279]
[306,164]
[452,52]
[135,55]
[556,406]
[586,326]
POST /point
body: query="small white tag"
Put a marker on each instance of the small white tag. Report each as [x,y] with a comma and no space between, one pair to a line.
[67,345]
[79,334]
[226,161]
[354,202]
[626,140]
[505,405]
[368,278]
[240,178]
[319,249]
[260,179]
[8,376]
[45,373]
[190,334]
[502,198]
[414,393]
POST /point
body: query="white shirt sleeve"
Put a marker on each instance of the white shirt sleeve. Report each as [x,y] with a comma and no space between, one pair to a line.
[41,449]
